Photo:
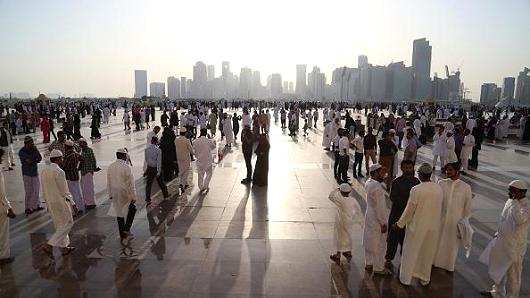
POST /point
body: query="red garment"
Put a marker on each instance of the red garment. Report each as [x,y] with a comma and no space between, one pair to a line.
[45,127]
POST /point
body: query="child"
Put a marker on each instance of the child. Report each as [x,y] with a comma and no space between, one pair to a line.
[305,127]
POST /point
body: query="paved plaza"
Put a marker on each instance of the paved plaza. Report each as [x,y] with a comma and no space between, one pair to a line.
[238,241]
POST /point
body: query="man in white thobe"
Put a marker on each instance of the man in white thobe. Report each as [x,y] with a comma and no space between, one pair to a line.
[203,147]
[344,220]
[508,247]
[227,130]
[6,212]
[422,217]
[439,148]
[184,151]
[456,207]
[467,149]
[375,222]
[122,193]
[59,202]
[151,134]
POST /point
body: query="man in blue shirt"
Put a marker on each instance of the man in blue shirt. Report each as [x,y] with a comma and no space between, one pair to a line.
[153,168]
[29,159]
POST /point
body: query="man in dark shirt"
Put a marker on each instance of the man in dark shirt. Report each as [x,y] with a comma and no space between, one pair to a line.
[370,148]
[247,142]
[70,166]
[29,158]
[387,149]
[399,195]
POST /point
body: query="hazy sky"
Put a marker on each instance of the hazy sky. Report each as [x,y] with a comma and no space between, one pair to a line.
[82,46]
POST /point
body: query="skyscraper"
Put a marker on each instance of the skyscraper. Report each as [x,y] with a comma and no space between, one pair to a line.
[378,83]
[211,73]
[200,78]
[488,94]
[173,88]
[421,68]
[301,86]
[316,82]
[183,89]
[225,69]
[508,87]
[157,89]
[399,81]
[245,82]
[522,93]
[362,61]
[256,88]
[140,83]
[276,85]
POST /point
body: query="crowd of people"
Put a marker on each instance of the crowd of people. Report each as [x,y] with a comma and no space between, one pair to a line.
[428,220]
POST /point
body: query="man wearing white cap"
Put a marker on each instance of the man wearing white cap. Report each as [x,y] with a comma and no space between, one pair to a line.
[422,217]
[505,253]
[184,152]
[122,192]
[59,202]
[375,228]
[344,220]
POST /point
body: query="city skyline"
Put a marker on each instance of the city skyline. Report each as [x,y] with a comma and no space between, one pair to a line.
[92,48]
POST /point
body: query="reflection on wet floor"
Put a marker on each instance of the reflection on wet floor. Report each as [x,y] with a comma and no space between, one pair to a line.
[235,241]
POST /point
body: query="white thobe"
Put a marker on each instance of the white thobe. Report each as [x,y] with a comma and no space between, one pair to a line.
[150,135]
[467,149]
[344,220]
[374,241]
[184,150]
[417,127]
[508,248]
[422,217]
[246,120]
[456,206]
[59,201]
[326,136]
[451,153]
[120,185]
[439,149]
[203,152]
[228,131]
[4,221]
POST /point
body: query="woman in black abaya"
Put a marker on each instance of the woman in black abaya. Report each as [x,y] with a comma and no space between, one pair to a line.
[261,170]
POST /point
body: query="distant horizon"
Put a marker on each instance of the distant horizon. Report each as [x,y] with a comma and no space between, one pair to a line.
[71,48]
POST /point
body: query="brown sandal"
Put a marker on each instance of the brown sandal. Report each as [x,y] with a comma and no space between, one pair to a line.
[335,258]
[347,255]
[49,251]
[67,250]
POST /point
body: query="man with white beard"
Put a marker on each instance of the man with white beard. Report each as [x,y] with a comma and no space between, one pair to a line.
[59,202]
[203,147]
[422,217]
[505,253]
[456,209]
[344,220]
[375,228]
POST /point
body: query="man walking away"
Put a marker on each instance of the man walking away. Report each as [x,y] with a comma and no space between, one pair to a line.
[122,193]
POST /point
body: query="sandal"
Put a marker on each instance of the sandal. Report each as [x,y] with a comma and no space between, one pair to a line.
[335,258]
[49,251]
[67,250]
[347,255]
